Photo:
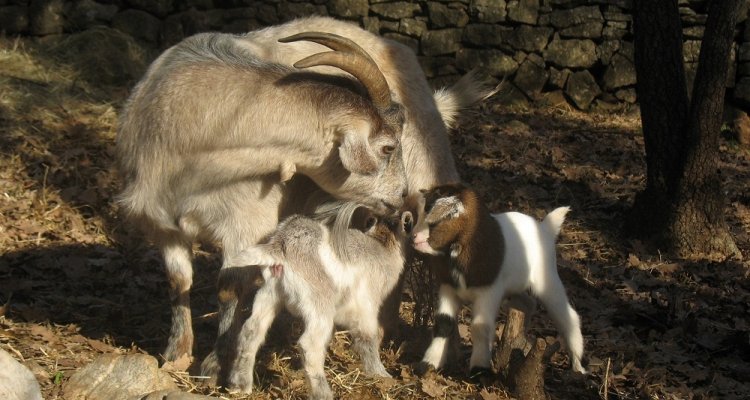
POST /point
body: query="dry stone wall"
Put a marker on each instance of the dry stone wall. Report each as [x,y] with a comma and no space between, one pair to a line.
[551,51]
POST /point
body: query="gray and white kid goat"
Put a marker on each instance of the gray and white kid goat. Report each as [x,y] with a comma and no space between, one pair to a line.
[489,257]
[326,275]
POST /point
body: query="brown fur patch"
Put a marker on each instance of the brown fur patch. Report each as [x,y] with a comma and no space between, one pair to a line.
[475,230]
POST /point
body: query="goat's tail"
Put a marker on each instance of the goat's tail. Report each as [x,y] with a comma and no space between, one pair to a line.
[258,255]
[554,220]
[470,89]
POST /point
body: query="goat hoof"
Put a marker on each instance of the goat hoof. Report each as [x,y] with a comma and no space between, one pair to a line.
[482,375]
[422,368]
[210,368]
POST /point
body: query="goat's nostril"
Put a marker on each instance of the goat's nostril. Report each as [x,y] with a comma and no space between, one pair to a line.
[404,194]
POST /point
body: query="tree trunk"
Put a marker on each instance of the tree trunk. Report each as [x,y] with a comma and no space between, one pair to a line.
[682,208]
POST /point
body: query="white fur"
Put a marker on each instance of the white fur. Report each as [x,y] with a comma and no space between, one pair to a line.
[317,285]
[529,265]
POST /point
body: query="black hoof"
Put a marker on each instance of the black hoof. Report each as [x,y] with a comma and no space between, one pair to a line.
[422,368]
[482,375]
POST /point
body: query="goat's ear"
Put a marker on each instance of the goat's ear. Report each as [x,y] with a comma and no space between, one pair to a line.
[356,155]
[363,219]
[445,208]
[407,222]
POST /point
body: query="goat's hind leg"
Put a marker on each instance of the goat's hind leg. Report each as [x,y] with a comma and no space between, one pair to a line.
[366,340]
[265,308]
[177,254]
[314,343]
[566,319]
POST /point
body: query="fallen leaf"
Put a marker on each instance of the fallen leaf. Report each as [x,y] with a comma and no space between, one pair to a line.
[98,345]
[45,333]
[432,388]
[485,395]
[182,363]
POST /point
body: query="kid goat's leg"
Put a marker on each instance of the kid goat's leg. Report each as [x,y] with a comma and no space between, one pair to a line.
[565,318]
[484,311]
[445,322]
[314,344]
[253,334]
[367,342]
[177,254]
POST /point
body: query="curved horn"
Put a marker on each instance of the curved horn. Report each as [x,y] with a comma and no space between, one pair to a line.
[349,57]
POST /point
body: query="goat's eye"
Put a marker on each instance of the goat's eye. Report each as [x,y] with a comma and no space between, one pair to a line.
[387,150]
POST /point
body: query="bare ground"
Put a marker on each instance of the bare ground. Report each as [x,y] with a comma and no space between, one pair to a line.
[76,282]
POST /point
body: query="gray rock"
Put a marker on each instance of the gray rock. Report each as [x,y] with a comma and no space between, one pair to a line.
[115,377]
[606,50]
[626,95]
[530,38]
[691,50]
[443,16]
[693,32]
[160,8]
[555,98]
[524,11]
[492,62]
[558,78]
[84,14]
[174,395]
[267,14]
[396,10]
[412,27]
[482,35]
[403,39]
[620,72]
[389,26]
[582,89]
[744,52]
[590,30]
[614,32]
[576,16]
[488,11]
[138,24]
[443,41]
[530,78]
[435,66]
[509,95]
[371,24]
[16,381]
[742,90]
[348,8]
[104,56]
[14,19]
[46,17]
[289,11]
[572,53]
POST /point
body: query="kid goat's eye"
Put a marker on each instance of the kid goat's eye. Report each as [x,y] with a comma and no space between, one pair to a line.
[387,150]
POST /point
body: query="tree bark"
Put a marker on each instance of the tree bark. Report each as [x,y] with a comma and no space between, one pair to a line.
[681,209]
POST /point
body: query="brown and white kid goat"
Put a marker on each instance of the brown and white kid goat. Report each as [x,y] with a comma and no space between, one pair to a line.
[326,275]
[487,258]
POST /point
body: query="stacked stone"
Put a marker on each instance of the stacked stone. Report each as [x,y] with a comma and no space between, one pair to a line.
[576,51]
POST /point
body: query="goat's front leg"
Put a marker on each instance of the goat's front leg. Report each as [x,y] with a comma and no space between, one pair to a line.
[177,254]
[265,307]
[367,343]
[445,324]
[484,312]
[314,344]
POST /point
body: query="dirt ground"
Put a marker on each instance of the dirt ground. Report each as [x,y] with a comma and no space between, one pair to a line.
[76,282]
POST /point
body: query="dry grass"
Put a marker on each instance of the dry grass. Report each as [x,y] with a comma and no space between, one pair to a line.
[77,283]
